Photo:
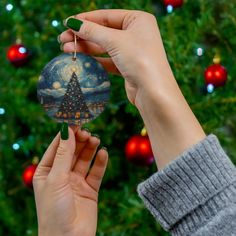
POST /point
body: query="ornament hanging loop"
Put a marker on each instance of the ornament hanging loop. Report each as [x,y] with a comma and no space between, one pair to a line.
[75,46]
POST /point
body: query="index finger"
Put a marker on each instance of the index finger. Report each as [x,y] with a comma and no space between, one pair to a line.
[49,155]
[112,18]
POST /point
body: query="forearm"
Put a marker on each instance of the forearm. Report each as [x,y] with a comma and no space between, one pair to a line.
[171,125]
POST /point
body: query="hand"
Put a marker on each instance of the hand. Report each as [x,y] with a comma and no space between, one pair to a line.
[133,42]
[66,192]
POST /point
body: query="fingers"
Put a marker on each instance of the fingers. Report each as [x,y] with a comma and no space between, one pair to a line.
[85,47]
[108,64]
[66,36]
[85,156]
[64,155]
[44,166]
[47,160]
[96,174]
[49,155]
[101,35]
[93,49]
[98,26]
[81,137]
[93,32]
[111,18]
[75,128]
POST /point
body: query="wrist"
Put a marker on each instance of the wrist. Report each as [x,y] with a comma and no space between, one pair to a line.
[156,91]
[171,125]
[154,80]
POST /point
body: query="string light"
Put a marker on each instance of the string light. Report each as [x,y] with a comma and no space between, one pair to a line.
[22,50]
[200,51]
[55,23]
[169,8]
[2,111]
[16,146]
[9,7]
[210,88]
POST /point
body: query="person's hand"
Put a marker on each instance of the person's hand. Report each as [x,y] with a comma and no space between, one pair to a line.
[132,41]
[66,192]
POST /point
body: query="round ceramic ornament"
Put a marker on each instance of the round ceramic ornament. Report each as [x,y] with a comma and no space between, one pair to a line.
[73,89]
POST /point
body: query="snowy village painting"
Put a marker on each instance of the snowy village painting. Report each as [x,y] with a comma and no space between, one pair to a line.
[73,91]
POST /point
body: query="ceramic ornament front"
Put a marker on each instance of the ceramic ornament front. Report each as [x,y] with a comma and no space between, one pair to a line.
[75,91]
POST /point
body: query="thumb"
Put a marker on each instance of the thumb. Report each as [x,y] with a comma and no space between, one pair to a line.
[65,152]
[87,30]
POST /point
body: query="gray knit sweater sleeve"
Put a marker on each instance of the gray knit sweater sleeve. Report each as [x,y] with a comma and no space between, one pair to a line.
[196,193]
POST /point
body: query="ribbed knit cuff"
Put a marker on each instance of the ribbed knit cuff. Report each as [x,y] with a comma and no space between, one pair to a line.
[191,189]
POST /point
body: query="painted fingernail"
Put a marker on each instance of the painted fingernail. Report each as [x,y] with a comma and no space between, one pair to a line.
[64,131]
[96,136]
[74,24]
[61,46]
[58,39]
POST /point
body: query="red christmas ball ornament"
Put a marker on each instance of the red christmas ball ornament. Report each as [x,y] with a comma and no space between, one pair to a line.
[216,75]
[28,175]
[174,3]
[18,55]
[138,150]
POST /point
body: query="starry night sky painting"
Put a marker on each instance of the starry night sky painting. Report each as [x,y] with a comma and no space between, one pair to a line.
[73,91]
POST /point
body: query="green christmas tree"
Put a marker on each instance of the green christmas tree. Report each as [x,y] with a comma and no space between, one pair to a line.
[73,105]
[26,131]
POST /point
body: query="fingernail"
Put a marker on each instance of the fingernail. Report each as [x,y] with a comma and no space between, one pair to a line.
[58,39]
[96,136]
[85,129]
[104,148]
[74,24]
[64,131]
[61,46]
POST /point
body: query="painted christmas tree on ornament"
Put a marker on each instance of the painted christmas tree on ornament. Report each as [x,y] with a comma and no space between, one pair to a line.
[73,104]
[74,91]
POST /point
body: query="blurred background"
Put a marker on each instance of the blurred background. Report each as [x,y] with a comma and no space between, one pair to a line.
[200,41]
